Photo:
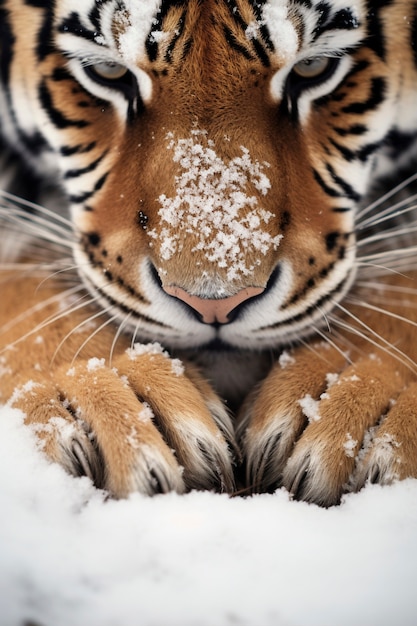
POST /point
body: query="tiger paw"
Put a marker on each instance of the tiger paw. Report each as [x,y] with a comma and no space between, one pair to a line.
[320,426]
[144,424]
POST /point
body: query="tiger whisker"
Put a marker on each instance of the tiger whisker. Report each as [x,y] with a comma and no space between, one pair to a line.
[386,287]
[76,329]
[109,321]
[39,307]
[371,307]
[387,234]
[388,254]
[388,214]
[16,200]
[119,331]
[34,228]
[400,187]
[331,343]
[387,346]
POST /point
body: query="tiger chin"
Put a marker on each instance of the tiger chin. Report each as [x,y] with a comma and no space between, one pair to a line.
[202,285]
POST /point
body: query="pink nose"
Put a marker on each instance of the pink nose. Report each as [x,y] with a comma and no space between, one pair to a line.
[213,311]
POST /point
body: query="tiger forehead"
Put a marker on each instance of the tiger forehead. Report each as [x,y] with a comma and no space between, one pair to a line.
[211,30]
[158,33]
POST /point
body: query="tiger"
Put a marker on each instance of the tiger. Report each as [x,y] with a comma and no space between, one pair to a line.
[207,239]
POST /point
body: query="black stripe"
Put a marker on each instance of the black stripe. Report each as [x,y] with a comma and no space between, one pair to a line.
[122,307]
[78,149]
[261,52]
[377,95]
[348,190]
[367,150]
[34,143]
[8,41]
[44,45]
[376,36]
[330,191]
[151,45]
[74,173]
[348,155]
[95,15]
[311,309]
[89,194]
[40,4]
[263,31]
[399,142]
[61,73]
[344,19]
[178,32]
[56,116]
[73,25]
[361,154]
[236,15]
[355,129]
[234,43]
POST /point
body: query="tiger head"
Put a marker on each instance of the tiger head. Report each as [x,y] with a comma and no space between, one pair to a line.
[214,152]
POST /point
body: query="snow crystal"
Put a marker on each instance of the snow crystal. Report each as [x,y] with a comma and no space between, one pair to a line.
[146,413]
[140,349]
[134,21]
[281,28]
[285,359]
[252,30]
[331,379]
[353,379]
[177,367]
[132,438]
[310,408]
[21,391]
[350,445]
[95,364]
[211,203]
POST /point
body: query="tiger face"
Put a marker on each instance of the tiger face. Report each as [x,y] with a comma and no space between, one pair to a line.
[213,153]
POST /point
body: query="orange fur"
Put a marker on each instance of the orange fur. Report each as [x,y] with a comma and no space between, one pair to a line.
[219,95]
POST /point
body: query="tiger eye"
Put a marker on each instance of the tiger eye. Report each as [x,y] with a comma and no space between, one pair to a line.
[311,68]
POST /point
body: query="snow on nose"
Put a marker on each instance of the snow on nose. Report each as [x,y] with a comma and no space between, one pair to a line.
[216,210]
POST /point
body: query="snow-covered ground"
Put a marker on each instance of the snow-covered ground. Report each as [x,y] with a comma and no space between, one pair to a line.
[68,557]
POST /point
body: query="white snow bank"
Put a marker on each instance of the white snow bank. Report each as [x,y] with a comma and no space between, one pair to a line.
[70,558]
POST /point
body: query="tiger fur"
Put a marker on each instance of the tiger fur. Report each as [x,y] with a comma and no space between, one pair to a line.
[238,315]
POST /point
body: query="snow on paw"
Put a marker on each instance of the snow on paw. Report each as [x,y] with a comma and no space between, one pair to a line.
[323,460]
[272,419]
[191,418]
[389,451]
[310,441]
[133,452]
[62,437]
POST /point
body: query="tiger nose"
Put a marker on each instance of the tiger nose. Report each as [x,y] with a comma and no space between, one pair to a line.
[214,311]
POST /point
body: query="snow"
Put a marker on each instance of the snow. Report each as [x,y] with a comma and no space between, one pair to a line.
[310,408]
[134,21]
[211,203]
[350,445]
[281,28]
[69,557]
[95,364]
[285,359]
